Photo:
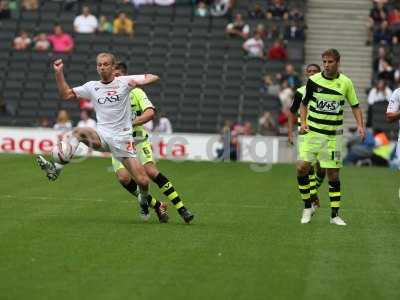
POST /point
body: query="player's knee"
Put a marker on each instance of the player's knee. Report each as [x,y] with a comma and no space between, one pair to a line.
[123,178]
[302,169]
[151,171]
[142,180]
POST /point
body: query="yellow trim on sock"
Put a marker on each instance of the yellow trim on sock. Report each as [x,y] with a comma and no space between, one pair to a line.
[335,203]
[172,196]
[334,194]
[305,196]
[178,205]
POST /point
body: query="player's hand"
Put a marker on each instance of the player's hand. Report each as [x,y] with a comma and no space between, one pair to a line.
[361,132]
[58,65]
[133,83]
[304,128]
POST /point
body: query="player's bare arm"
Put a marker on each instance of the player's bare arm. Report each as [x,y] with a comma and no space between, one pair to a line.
[147,115]
[359,119]
[64,89]
[148,79]
[303,117]
[393,116]
[291,121]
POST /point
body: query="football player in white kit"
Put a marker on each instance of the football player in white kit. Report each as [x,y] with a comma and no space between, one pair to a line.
[110,97]
[393,114]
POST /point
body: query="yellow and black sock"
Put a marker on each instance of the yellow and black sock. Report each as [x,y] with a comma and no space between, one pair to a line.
[153,202]
[131,187]
[313,187]
[319,179]
[334,196]
[304,188]
[169,191]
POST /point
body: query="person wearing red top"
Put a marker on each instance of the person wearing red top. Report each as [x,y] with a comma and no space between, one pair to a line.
[277,52]
[61,42]
[394,17]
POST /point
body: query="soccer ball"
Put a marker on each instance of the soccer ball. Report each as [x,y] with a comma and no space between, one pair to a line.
[62,152]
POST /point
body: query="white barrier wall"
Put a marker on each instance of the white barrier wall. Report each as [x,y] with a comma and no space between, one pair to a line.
[178,146]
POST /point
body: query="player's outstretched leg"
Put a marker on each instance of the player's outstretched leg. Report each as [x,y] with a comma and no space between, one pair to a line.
[169,191]
[61,154]
[138,174]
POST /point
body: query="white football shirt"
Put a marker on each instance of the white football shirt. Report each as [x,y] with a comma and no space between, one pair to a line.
[111,103]
[394,103]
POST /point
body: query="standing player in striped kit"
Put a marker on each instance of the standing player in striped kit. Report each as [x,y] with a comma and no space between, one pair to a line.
[321,113]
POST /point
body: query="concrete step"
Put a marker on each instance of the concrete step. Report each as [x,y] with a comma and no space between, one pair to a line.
[346,4]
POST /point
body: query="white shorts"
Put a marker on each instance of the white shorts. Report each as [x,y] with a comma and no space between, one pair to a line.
[120,145]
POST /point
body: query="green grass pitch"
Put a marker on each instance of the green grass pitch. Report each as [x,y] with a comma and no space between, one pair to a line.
[81,237]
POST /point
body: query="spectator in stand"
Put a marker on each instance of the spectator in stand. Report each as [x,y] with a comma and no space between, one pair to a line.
[5,12]
[283,120]
[274,33]
[22,41]
[238,28]
[295,14]
[105,26]
[41,42]
[386,72]
[286,95]
[260,29]
[378,61]
[86,121]
[247,128]
[43,122]
[291,76]
[254,47]
[383,35]
[394,17]
[277,51]
[269,86]
[201,9]
[85,23]
[164,124]
[61,42]
[257,12]
[267,124]
[30,4]
[377,15]
[123,25]
[380,92]
[63,121]
[277,10]
[293,31]
[395,50]
[219,8]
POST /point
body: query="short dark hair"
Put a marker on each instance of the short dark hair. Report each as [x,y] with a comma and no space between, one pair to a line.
[314,65]
[122,67]
[331,52]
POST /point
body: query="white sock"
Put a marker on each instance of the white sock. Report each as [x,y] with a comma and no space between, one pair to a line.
[58,166]
[144,193]
[74,142]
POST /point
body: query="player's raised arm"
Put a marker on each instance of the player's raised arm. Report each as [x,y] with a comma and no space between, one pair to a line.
[139,80]
[64,89]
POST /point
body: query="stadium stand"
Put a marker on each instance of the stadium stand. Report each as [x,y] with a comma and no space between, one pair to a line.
[205,76]
[384,33]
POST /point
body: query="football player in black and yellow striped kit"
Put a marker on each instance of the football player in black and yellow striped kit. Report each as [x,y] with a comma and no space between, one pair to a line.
[321,114]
